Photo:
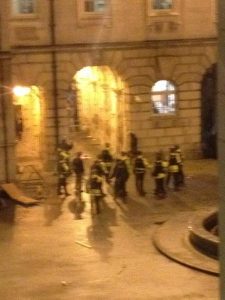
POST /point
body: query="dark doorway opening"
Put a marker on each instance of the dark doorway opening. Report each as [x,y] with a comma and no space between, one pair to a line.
[208,113]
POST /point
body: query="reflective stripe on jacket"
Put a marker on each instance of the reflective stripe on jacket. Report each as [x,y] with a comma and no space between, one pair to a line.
[160,175]
[160,168]
[95,192]
[95,183]
[139,169]
[173,168]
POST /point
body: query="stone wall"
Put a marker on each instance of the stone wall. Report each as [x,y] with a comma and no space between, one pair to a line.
[7,125]
[138,67]
[186,20]
[177,45]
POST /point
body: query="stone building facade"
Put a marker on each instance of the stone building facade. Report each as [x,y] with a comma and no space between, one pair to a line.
[93,66]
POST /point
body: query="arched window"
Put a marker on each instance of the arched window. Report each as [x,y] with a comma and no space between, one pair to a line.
[163,95]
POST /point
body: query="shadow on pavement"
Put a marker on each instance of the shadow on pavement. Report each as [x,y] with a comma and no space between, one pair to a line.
[109,214]
[7,220]
[99,233]
[52,210]
[99,236]
[7,211]
[77,206]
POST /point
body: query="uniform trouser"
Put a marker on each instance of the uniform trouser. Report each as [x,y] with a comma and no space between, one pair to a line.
[96,201]
[62,184]
[139,181]
[108,169]
[78,182]
[175,177]
[181,174]
[159,186]
[120,188]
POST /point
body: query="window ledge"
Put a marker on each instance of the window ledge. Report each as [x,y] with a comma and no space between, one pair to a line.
[163,14]
[161,20]
[94,20]
[154,18]
[168,115]
[24,17]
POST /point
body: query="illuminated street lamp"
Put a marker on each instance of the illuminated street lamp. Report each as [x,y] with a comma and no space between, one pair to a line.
[20,91]
[20,94]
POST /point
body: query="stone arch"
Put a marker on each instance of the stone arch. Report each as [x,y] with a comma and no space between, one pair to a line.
[29,127]
[100,100]
[36,124]
[73,62]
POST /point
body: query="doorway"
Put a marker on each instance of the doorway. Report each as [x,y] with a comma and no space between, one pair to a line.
[208,113]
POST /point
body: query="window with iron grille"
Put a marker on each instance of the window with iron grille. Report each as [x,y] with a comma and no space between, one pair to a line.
[163,96]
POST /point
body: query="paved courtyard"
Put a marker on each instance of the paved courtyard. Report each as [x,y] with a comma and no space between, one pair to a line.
[59,251]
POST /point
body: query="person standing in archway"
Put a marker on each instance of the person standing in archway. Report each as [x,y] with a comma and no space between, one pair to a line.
[19,128]
[133,144]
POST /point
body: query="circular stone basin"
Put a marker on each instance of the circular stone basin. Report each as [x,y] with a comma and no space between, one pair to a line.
[187,239]
[203,234]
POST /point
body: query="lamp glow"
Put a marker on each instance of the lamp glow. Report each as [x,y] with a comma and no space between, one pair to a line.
[21,91]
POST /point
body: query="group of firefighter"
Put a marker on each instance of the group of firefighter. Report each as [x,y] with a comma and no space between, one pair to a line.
[115,170]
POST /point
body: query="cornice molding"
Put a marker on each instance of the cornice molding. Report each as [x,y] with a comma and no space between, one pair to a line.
[114,46]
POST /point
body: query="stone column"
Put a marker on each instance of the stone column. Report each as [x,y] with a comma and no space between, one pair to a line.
[7,124]
[221,141]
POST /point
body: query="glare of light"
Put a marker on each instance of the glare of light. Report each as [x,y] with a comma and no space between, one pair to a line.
[20,91]
[163,85]
[86,73]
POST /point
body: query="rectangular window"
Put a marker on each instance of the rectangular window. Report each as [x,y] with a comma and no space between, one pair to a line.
[94,12]
[95,5]
[162,4]
[163,15]
[23,7]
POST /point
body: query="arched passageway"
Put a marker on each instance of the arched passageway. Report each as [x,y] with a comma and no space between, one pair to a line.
[208,113]
[28,106]
[99,105]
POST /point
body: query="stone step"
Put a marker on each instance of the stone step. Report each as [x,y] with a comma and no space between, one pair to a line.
[201,235]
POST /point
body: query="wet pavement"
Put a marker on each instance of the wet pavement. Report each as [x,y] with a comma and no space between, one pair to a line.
[58,250]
